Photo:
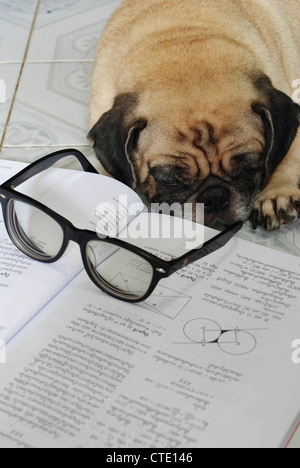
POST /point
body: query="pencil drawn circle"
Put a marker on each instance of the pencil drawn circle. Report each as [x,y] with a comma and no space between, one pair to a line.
[237,342]
[202,331]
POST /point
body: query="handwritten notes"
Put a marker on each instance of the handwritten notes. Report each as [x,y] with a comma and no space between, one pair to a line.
[247,287]
[12,262]
[145,422]
[59,391]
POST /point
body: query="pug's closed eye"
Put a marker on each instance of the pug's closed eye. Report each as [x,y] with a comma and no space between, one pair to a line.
[244,165]
[170,177]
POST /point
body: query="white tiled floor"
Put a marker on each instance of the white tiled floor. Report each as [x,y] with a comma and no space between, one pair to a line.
[48,46]
[46,56]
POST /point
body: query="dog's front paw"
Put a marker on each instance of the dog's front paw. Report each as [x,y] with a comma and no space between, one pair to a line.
[276,206]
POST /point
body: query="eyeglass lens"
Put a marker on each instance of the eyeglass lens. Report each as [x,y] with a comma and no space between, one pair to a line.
[119,271]
[34,232]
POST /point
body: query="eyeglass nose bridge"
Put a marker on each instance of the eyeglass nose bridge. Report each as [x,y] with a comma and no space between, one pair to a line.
[75,234]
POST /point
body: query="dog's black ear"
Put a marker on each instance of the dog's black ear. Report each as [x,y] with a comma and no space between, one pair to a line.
[115,136]
[281,118]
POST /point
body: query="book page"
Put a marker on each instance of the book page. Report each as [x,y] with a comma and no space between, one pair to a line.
[165,236]
[25,285]
[206,361]
[91,202]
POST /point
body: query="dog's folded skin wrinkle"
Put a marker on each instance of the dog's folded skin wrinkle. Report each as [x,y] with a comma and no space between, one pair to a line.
[191,101]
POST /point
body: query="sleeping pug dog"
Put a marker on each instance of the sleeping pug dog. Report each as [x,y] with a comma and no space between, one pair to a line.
[190,102]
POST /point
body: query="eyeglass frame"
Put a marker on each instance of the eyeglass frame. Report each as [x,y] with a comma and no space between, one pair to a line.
[161,268]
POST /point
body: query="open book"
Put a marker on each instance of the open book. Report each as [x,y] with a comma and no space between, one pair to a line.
[205,361]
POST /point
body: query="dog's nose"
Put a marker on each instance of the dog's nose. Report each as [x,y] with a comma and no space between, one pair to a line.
[215,198]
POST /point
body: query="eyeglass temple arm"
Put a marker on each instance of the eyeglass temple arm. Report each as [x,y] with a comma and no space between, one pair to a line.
[208,248]
[45,163]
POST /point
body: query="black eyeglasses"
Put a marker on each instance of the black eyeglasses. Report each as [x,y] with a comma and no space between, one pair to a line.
[120,269]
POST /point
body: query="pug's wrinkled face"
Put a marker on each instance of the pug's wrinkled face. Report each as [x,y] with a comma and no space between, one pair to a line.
[210,148]
[217,161]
